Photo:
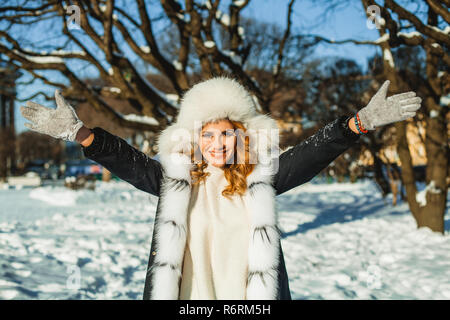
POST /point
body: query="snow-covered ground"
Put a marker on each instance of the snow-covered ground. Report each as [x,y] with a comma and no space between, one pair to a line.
[341,241]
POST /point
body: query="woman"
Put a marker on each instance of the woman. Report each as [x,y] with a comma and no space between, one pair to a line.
[215,231]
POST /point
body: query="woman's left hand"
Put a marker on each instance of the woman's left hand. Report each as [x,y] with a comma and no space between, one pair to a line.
[381,110]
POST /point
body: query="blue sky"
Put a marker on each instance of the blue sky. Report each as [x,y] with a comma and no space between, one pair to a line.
[347,21]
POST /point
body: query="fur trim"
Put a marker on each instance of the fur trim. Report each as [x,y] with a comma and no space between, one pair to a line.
[171,235]
[213,99]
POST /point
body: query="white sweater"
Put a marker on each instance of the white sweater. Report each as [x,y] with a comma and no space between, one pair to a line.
[216,257]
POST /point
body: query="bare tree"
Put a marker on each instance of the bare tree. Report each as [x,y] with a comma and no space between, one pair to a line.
[110,28]
[434,40]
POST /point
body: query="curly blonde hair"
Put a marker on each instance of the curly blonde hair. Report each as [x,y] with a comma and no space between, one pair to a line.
[235,173]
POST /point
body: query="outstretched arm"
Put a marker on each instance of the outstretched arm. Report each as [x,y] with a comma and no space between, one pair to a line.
[305,160]
[110,151]
[123,160]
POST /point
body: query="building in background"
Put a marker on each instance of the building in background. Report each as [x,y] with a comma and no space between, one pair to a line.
[8,77]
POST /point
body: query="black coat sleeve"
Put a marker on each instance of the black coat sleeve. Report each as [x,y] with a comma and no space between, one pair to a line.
[125,161]
[305,160]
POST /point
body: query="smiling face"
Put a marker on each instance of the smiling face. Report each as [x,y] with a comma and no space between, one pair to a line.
[217,142]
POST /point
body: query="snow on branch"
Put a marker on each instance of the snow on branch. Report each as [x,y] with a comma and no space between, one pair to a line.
[223,18]
[113,89]
[387,55]
[384,38]
[239,3]
[141,119]
[209,44]
[409,35]
[55,56]
[39,58]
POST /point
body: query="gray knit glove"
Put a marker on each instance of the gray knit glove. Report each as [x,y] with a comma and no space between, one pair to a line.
[60,123]
[381,111]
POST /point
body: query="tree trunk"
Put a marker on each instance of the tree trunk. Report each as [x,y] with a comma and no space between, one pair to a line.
[432,214]
[436,145]
[378,174]
[392,183]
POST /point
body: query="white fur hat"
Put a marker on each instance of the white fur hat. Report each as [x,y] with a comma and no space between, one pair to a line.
[212,99]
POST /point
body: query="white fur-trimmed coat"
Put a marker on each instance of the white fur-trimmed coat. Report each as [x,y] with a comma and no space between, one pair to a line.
[169,179]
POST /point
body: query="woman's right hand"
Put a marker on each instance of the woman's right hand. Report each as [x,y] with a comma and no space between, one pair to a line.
[61,123]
